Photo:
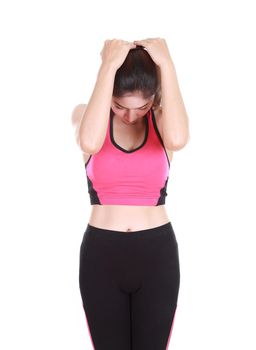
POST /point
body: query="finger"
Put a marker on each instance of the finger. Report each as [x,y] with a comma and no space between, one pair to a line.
[140,43]
[129,43]
[143,43]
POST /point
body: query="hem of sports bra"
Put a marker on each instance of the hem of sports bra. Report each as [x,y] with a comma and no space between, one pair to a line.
[126,200]
[131,204]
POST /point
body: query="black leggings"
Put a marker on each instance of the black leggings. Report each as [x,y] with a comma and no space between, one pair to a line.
[129,284]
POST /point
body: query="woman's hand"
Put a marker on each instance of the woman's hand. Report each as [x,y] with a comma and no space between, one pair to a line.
[115,51]
[157,48]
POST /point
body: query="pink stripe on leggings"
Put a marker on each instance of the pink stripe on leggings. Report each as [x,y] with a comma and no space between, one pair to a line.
[171,330]
[88,328]
[169,337]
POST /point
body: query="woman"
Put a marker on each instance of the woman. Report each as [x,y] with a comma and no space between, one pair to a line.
[129,272]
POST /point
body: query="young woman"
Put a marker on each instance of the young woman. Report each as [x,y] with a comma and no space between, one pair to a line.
[129,273]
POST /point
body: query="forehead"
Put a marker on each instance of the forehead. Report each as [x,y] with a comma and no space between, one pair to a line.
[132,100]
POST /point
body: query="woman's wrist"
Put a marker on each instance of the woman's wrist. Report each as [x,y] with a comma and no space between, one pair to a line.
[167,64]
[107,68]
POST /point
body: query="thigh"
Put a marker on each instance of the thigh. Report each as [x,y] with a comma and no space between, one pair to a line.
[107,309]
[154,304]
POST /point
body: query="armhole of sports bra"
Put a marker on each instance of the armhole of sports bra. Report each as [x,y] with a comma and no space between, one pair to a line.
[159,136]
[86,163]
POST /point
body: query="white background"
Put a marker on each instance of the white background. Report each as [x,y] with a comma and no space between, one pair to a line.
[50,55]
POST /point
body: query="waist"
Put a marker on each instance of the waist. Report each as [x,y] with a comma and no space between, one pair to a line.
[128,218]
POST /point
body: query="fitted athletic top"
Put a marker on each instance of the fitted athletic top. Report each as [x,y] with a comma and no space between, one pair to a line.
[116,176]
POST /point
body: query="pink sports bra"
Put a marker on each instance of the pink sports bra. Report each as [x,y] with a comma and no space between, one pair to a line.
[116,176]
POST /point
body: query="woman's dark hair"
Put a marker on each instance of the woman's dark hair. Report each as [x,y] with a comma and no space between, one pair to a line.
[138,73]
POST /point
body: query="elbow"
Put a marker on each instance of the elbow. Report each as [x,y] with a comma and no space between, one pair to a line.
[177,144]
[85,148]
[86,144]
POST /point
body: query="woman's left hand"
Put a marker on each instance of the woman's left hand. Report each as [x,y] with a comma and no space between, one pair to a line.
[157,48]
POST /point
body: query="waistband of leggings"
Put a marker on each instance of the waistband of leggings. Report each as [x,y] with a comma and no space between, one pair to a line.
[154,232]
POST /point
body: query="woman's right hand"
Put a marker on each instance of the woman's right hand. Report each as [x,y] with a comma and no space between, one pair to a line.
[115,51]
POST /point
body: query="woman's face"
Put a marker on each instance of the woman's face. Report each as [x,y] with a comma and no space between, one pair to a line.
[131,107]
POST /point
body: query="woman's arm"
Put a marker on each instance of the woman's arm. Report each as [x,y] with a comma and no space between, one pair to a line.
[93,126]
[76,118]
[94,121]
[174,117]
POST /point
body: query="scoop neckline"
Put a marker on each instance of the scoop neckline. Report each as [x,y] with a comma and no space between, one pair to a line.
[121,148]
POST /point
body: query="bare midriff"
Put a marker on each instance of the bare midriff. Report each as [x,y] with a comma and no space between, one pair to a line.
[128,218]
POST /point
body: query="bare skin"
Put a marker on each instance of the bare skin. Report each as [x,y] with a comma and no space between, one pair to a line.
[129,127]
[128,218]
